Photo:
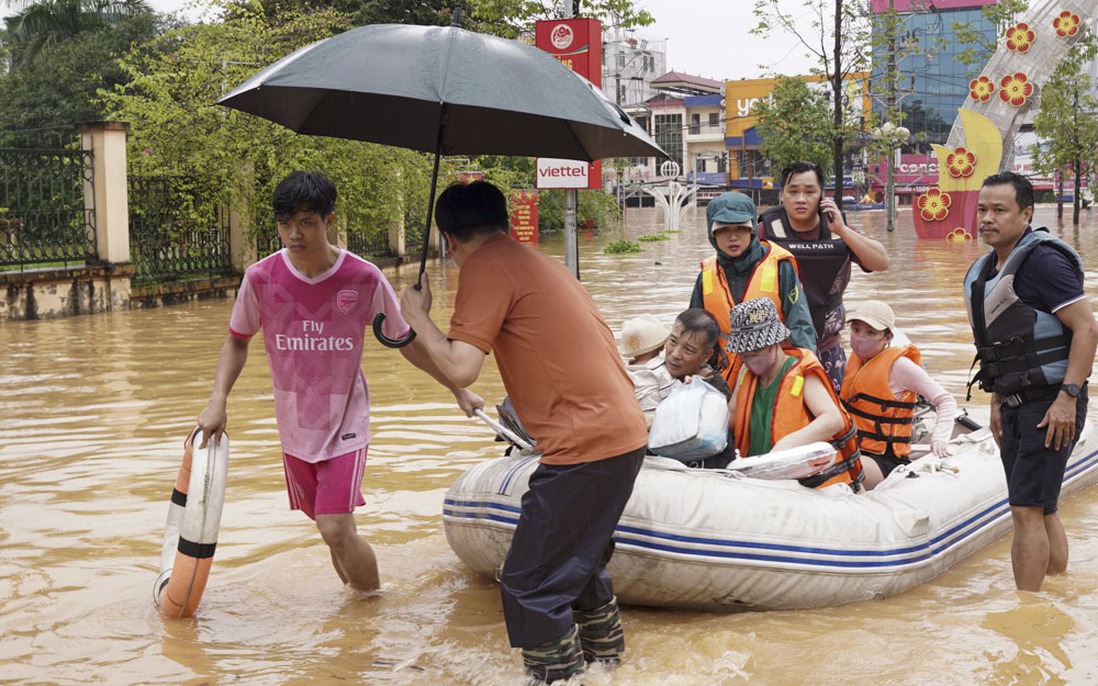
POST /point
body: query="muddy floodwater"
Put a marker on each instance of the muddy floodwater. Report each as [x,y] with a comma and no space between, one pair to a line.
[92,420]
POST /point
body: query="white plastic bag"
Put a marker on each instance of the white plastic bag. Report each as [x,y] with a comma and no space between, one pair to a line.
[795,463]
[691,423]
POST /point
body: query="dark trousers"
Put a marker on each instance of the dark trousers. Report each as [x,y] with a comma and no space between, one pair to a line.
[563,541]
[1035,473]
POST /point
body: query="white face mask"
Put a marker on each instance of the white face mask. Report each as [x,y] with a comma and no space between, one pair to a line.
[866,347]
[760,364]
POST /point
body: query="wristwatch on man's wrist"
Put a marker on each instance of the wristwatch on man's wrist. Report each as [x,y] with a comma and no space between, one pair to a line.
[1071,389]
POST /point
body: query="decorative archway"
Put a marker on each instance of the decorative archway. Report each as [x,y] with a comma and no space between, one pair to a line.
[981,142]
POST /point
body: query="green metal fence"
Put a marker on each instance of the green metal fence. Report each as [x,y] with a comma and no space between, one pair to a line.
[45,220]
[371,245]
[174,235]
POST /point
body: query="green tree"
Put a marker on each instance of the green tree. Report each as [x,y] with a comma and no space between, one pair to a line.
[836,35]
[507,18]
[229,157]
[515,18]
[59,86]
[1067,125]
[795,123]
[363,12]
[45,25]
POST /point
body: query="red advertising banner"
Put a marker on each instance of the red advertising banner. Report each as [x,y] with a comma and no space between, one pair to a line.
[577,44]
[524,216]
[467,177]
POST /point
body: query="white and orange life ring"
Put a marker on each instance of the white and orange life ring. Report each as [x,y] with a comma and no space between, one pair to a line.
[190,534]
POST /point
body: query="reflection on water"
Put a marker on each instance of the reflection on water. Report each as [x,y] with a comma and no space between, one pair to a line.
[93,418]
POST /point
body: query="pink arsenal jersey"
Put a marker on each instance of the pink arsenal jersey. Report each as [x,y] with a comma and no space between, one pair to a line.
[313,330]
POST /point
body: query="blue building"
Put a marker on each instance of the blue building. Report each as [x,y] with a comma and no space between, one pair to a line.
[930,83]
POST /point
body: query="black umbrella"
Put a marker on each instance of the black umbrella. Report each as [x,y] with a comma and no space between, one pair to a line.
[443,90]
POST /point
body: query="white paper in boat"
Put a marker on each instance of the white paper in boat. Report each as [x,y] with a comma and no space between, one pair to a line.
[795,463]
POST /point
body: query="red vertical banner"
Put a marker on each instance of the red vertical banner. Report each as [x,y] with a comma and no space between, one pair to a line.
[577,44]
[524,216]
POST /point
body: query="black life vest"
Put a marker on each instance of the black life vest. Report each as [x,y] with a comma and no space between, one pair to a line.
[1019,348]
[824,268]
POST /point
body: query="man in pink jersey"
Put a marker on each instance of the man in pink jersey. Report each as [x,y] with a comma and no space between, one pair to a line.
[314,302]
[561,369]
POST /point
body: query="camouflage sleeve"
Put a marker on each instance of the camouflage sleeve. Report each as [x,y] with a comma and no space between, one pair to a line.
[795,309]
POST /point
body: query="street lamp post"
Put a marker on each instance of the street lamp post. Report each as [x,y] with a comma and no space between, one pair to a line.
[889,138]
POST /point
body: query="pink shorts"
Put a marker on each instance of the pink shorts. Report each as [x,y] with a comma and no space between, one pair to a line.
[329,487]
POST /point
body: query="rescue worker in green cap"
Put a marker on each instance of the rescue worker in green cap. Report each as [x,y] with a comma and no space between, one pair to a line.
[744,268]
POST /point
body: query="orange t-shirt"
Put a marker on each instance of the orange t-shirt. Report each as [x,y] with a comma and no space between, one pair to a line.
[556,355]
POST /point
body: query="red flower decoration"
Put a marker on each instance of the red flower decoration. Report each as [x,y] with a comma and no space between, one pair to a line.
[1067,24]
[981,89]
[958,234]
[933,205]
[1015,89]
[961,163]
[1020,37]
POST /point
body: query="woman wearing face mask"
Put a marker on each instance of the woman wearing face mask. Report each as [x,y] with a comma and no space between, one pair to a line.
[783,398]
[881,386]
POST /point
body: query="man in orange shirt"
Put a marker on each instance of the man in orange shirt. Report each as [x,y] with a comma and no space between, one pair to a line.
[577,402]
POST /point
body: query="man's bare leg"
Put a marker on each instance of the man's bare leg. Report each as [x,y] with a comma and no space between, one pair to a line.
[1057,544]
[352,556]
[1029,552]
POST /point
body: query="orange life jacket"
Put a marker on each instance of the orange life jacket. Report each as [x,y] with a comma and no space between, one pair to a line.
[791,414]
[763,283]
[884,421]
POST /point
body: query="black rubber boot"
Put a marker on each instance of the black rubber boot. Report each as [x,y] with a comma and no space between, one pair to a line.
[555,660]
[600,633]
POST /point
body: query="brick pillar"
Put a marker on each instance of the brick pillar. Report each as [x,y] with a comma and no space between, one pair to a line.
[243,251]
[396,229]
[108,188]
[242,247]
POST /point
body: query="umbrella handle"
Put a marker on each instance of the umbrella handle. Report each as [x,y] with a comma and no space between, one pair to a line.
[391,342]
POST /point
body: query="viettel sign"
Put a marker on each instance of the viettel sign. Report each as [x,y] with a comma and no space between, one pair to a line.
[556,173]
[577,44]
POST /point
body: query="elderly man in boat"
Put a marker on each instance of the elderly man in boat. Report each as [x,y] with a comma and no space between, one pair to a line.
[668,387]
[658,359]
[783,398]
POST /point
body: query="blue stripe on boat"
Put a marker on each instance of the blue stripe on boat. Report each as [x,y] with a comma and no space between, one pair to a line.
[628,535]
[506,483]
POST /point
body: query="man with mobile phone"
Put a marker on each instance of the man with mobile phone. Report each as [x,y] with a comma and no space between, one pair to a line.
[811,227]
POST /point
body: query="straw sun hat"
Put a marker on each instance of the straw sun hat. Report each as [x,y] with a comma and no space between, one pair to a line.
[641,335]
[755,325]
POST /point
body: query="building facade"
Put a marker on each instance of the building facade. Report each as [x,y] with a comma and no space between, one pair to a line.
[747,168]
[629,65]
[930,76]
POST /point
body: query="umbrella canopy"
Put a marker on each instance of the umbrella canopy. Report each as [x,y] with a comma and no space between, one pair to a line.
[443,90]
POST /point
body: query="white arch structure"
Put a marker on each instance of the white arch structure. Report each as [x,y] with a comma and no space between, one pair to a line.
[1037,63]
[675,198]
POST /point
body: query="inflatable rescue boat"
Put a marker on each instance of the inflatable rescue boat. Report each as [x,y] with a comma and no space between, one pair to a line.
[722,540]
